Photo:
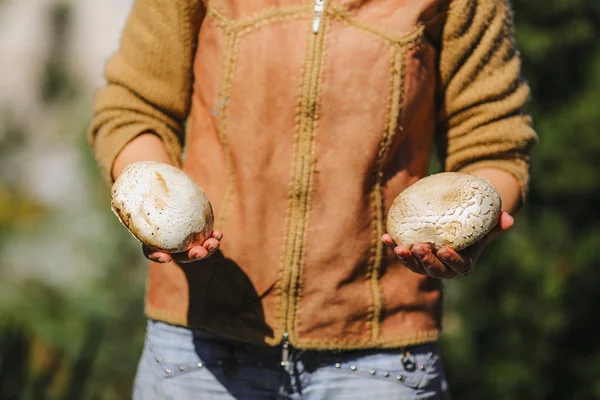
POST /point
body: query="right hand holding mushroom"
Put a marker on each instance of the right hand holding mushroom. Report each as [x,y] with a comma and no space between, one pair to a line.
[196,253]
[166,211]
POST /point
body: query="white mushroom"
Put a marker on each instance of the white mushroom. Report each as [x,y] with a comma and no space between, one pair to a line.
[162,206]
[446,210]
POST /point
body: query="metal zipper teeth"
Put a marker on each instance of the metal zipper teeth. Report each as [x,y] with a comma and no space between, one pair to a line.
[319,5]
[303,166]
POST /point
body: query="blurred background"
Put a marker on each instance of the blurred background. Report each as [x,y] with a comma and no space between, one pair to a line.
[524,326]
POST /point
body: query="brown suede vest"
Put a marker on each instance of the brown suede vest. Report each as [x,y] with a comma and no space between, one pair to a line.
[305,125]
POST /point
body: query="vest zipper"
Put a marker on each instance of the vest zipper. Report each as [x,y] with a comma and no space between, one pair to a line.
[285,351]
[302,170]
[318,11]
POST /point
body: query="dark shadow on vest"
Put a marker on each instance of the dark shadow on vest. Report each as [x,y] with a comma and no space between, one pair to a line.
[435,285]
[228,319]
[223,300]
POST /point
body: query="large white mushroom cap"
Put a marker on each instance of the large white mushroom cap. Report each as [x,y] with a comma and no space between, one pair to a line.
[162,206]
[446,210]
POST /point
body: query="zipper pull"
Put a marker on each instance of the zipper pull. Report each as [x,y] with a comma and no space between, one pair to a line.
[318,11]
[285,351]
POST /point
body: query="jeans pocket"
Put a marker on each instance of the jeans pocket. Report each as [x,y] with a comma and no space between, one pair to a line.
[174,351]
[412,367]
[177,352]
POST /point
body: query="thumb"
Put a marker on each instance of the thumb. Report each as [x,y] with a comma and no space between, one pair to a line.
[505,221]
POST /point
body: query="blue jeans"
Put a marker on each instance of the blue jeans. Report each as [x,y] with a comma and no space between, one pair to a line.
[178,363]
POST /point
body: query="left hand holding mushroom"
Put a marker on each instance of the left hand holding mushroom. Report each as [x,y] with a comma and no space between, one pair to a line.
[446,263]
[440,225]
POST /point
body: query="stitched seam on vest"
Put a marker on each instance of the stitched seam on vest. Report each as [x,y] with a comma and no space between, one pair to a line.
[417,338]
[224,95]
[269,15]
[316,99]
[344,17]
[291,218]
[414,339]
[311,105]
[220,19]
[394,102]
[301,182]
[185,16]
[234,29]
[188,38]
[266,15]
[237,29]
[296,183]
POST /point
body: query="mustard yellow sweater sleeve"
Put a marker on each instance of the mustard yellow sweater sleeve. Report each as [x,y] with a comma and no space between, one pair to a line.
[482,124]
[148,80]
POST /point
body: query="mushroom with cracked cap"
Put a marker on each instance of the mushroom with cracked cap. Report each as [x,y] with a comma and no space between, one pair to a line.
[162,207]
[447,209]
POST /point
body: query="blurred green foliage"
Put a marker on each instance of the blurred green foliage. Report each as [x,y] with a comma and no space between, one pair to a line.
[78,339]
[522,327]
[527,326]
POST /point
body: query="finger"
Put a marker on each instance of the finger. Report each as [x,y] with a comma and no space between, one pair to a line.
[211,244]
[434,267]
[456,261]
[217,235]
[404,254]
[505,222]
[197,253]
[194,254]
[156,256]
[160,257]
[387,239]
